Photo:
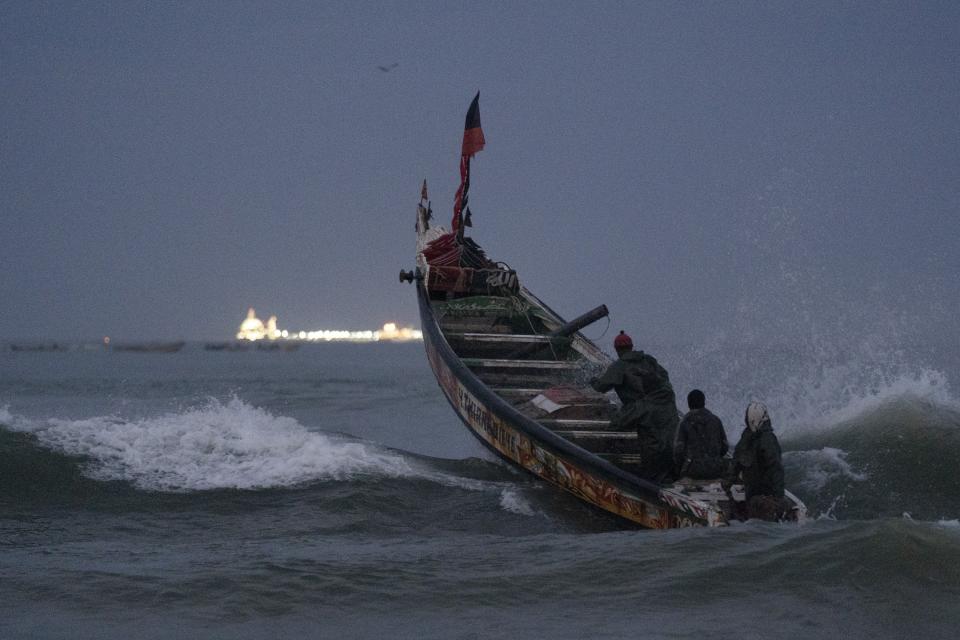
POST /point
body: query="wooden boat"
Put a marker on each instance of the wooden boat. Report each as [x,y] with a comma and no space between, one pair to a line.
[39,347]
[517,375]
[150,347]
[227,346]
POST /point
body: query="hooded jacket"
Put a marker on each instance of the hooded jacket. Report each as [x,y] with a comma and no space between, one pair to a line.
[637,376]
[649,406]
[757,457]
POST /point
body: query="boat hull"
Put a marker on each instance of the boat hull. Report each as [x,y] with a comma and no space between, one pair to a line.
[520,440]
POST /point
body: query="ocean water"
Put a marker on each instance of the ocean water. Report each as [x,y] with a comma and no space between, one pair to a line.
[332,493]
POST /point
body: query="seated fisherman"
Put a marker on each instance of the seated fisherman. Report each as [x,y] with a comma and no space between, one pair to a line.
[701,442]
[757,460]
[649,405]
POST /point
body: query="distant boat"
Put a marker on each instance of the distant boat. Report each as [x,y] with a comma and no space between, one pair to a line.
[243,345]
[53,346]
[150,347]
[278,346]
[227,346]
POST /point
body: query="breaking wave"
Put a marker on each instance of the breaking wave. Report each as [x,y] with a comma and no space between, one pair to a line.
[216,446]
[840,394]
[823,466]
[233,445]
[220,445]
[900,456]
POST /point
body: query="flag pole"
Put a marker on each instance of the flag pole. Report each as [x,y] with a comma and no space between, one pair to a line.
[473,141]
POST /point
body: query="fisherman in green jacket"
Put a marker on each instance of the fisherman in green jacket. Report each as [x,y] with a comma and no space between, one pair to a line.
[649,405]
[757,460]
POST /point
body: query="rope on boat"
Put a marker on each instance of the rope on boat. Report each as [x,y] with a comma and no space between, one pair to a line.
[526,314]
[605,329]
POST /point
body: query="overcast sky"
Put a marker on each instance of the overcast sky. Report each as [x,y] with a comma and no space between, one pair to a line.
[704,169]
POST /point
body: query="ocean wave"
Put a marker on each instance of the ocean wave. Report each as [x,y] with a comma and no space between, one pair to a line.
[846,393]
[900,456]
[808,405]
[219,445]
[234,445]
[812,384]
[823,466]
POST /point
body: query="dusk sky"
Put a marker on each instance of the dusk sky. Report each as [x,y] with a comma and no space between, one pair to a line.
[704,169]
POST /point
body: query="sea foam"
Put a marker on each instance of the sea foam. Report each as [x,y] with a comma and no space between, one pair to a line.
[818,400]
[821,466]
[513,502]
[227,445]
[845,393]
[230,445]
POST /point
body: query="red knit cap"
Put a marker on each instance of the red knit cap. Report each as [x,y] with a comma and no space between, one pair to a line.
[622,341]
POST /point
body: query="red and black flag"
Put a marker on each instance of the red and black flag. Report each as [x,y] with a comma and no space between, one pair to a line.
[472,133]
[473,142]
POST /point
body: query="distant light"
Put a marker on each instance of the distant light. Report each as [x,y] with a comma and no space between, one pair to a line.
[252,329]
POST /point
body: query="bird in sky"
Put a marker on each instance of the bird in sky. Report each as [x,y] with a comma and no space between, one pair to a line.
[387,68]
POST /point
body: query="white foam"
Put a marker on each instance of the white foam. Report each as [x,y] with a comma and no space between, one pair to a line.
[821,466]
[230,445]
[816,381]
[816,402]
[215,446]
[952,524]
[829,513]
[840,398]
[512,501]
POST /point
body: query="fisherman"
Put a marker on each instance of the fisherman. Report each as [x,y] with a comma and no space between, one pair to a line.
[757,460]
[701,443]
[649,405]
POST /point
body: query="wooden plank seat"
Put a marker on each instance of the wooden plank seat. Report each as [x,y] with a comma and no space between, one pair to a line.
[622,458]
[588,396]
[503,345]
[541,365]
[491,326]
[516,396]
[497,337]
[578,425]
[520,377]
[589,400]
[594,435]
[523,373]
[517,392]
[601,441]
[516,378]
